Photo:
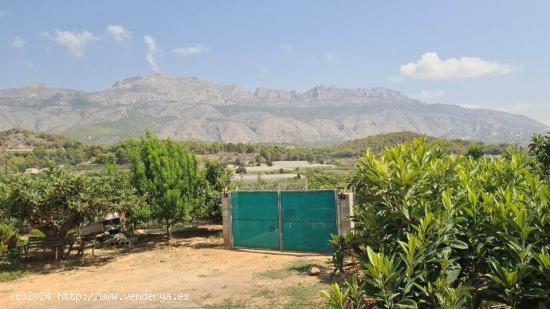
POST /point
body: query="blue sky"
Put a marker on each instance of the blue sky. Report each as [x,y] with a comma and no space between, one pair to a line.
[490,54]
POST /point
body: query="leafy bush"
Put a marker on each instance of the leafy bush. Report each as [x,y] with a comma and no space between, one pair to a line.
[475,151]
[433,230]
[540,149]
[8,238]
[215,177]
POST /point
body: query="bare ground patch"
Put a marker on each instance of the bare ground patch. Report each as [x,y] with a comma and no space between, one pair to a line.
[195,263]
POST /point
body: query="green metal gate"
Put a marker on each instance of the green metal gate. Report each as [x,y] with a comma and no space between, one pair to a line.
[284,220]
[255,219]
[309,218]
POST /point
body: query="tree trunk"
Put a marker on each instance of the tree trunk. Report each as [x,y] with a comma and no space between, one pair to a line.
[168,232]
[55,232]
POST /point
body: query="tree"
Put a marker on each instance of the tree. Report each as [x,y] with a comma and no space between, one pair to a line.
[56,201]
[167,176]
[216,177]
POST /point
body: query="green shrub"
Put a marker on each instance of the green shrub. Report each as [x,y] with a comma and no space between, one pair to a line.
[440,231]
[475,151]
[8,238]
[540,149]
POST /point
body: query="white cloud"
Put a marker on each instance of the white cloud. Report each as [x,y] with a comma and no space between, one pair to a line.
[75,42]
[18,43]
[430,66]
[287,48]
[330,55]
[119,33]
[152,52]
[430,95]
[191,50]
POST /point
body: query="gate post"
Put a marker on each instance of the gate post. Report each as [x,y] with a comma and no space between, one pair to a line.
[226,219]
[345,212]
[280,211]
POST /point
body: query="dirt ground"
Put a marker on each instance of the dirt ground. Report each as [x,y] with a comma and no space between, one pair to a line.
[195,270]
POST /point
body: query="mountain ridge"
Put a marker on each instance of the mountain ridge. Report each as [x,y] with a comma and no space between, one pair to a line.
[191,108]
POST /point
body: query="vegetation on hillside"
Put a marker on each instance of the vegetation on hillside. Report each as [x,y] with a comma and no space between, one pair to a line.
[23,149]
[377,144]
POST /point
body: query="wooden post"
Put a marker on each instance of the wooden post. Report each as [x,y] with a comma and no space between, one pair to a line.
[226,218]
[345,212]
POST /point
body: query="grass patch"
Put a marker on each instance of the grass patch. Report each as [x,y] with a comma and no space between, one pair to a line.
[227,304]
[295,296]
[11,275]
[275,274]
[10,272]
[305,296]
[294,268]
[265,293]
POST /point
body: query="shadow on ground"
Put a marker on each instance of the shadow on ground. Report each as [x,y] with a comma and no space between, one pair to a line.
[41,262]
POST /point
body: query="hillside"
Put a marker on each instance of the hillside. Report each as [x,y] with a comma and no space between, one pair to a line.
[192,109]
[24,140]
[377,143]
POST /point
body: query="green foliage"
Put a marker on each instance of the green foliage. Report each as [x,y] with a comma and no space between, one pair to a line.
[336,298]
[438,230]
[216,177]
[106,158]
[11,271]
[37,150]
[475,151]
[167,176]
[540,149]
[8,238]
[56,201]
[377,144]
[326,179]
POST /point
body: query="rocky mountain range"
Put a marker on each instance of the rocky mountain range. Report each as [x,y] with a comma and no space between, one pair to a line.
[190,108]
